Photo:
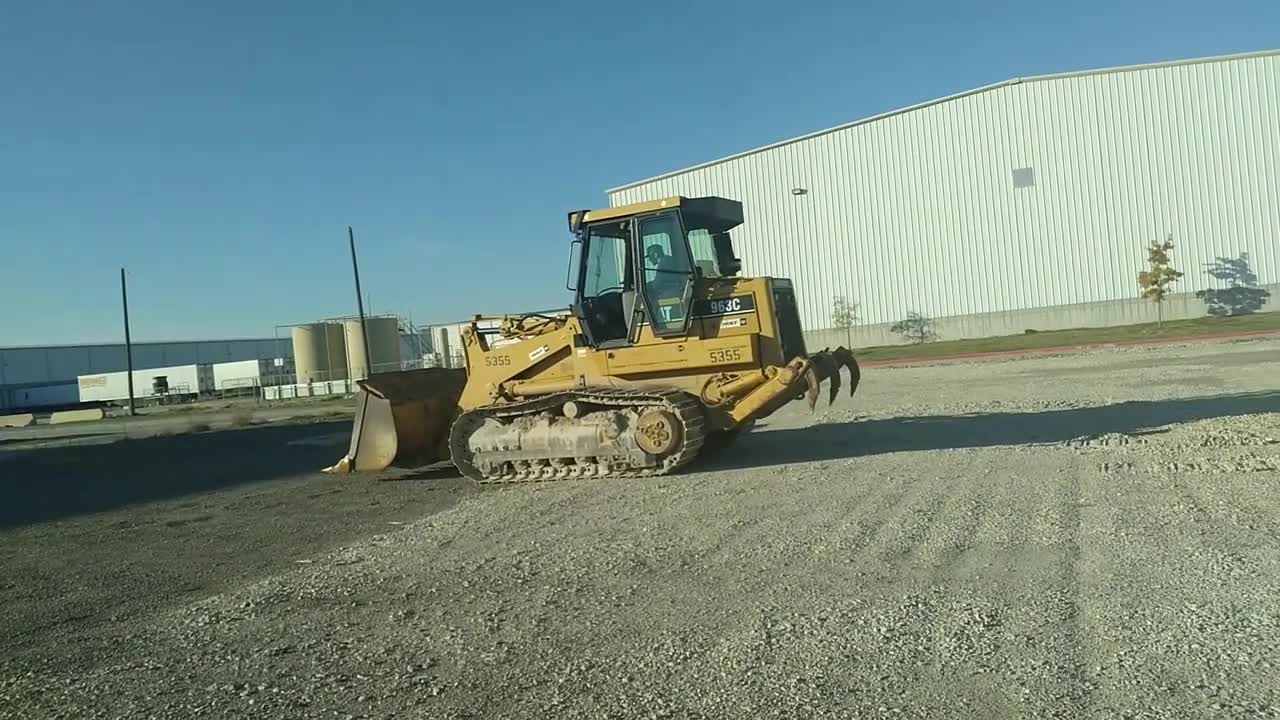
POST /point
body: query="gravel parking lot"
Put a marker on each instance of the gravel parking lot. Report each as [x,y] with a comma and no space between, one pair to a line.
[1088,535]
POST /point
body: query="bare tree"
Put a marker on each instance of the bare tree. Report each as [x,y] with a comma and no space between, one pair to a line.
[844,315]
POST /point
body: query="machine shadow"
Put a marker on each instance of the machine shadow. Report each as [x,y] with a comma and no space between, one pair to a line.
[442,471]
[52,483]
[836,441]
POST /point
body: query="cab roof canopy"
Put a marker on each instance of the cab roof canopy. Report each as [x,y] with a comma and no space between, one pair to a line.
[711,213]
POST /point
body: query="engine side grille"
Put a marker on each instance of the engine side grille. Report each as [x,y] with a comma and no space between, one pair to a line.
[788,322]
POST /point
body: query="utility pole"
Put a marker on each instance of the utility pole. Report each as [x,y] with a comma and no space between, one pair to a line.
[364,332]
[128,343]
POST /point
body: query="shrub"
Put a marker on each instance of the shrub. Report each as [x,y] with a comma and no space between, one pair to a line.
[916,328]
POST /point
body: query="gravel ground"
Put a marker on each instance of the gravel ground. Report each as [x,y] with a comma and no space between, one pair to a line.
[1092,535]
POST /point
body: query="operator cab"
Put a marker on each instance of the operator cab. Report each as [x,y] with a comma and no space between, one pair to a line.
[641,263]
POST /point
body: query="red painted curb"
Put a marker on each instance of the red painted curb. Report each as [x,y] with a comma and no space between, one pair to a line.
[1062,348]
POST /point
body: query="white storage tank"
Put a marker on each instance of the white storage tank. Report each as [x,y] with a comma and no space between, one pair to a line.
[319,352]
[443,348]
[384,345]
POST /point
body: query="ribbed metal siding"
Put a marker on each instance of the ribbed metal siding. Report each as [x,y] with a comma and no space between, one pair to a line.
[60,363]
[918,210]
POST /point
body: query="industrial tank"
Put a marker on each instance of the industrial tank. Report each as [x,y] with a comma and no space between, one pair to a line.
[442,347]
[319,352]
[384,345]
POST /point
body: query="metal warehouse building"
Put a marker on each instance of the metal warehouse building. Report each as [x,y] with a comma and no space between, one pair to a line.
[1026,204]
[33,377]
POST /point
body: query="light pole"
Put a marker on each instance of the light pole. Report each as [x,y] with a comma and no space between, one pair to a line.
[364,332]
[128,343]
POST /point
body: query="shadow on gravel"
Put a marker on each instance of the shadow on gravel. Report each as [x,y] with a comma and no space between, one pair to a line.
[44,484]
[856,438]
[435,472]
[29,439]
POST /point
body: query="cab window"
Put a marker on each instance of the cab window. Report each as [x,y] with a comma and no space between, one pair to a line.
[667,273]
[606,268]
[704,253]
[606,252]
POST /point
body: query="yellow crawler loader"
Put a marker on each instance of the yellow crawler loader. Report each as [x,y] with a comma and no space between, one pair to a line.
[666,352]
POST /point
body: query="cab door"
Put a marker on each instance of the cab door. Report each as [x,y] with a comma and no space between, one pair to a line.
[605,296]
[665,280]
[666,276]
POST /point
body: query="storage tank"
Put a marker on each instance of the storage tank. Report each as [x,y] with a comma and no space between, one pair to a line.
[319,352]
[384,345]
[442,348]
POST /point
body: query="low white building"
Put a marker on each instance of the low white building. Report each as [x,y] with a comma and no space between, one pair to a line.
[46,375]
[246,375]
[172,381]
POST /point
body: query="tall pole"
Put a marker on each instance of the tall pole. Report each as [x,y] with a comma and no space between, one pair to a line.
[364,332]
[128,343]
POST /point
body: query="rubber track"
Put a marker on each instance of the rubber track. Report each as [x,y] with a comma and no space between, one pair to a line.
[684,406]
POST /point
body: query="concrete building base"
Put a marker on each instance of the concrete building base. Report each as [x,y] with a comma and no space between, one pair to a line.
[70,416]
[19,420]
[1181,306]
[305,390]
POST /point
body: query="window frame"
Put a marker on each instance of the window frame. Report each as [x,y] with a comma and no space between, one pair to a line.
[587,255]
[628,280]
[686,298]
[711,246]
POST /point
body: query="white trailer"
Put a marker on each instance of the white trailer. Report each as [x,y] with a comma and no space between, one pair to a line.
[178,381]
[248,374]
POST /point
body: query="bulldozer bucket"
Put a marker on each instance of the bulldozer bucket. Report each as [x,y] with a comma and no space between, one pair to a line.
[403,419]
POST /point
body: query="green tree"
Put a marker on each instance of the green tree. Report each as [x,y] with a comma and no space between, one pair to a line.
[844,315]
[1160,275]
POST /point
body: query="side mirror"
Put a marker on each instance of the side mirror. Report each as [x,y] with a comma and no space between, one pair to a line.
[575,257]
[728,262]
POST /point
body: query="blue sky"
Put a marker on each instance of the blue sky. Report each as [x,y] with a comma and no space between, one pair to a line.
[220,150]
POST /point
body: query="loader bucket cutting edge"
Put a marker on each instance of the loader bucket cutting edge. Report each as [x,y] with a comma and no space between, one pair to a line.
[402,419]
